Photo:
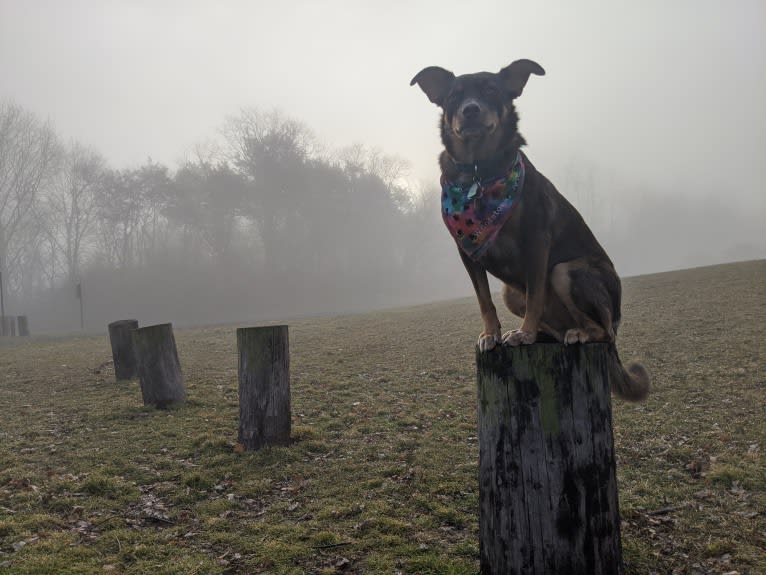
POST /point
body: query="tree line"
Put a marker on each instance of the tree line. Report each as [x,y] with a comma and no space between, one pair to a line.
[270,224]
[267,223]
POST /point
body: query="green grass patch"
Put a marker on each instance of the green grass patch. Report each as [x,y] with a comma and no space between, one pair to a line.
[383,468]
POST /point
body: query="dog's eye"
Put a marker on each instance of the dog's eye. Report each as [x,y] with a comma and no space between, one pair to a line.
[454,96]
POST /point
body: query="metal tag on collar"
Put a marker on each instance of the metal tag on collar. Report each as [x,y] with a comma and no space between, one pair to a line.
[476,183]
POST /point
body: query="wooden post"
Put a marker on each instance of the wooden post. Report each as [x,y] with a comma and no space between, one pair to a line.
[82,314]
[158,367]
[23,326]
[548,487]
[123,352]
[2,299]
[264,386]
[7,325]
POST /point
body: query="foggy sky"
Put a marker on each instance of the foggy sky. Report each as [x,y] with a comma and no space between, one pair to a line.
[668,96]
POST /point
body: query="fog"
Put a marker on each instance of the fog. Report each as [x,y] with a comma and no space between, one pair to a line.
[211,162]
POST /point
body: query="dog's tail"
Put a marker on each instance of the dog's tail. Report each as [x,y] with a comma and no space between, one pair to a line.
[631,383]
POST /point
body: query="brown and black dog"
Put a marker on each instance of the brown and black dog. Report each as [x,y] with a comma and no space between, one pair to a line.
[556,275]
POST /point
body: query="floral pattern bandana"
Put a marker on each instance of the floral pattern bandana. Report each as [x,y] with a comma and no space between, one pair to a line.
[475,214]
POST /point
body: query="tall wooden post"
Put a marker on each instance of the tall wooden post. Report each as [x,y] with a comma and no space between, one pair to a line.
[23,326]
[2,297]
[123,351]
[264,386]
[7,325]
[548,488]
[82,313]
[159,370]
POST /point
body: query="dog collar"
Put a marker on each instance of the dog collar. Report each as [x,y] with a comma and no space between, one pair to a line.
[475,169]
[475,213]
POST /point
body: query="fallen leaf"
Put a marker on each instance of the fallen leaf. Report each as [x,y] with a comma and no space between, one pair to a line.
[704,494]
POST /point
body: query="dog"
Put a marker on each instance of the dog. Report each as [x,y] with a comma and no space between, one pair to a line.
[510,221]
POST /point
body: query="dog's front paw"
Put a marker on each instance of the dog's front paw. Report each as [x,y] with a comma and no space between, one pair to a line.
[488,341]
[575,335]
[517,337]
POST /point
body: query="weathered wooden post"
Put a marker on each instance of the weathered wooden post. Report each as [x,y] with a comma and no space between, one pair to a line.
[123,351]
[159,370]
[8,325]
[548,487]
[23,326]
[264,386]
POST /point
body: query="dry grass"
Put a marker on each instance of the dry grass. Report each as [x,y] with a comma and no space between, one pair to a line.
[382,477]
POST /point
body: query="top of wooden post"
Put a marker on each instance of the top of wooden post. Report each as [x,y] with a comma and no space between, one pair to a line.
[548,490]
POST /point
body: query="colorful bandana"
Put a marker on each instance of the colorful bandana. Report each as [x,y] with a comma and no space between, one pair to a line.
[475,214]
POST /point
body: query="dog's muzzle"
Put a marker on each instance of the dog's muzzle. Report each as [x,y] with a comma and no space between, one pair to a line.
[472,120]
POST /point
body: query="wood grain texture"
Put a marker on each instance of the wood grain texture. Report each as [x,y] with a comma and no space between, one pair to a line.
[548,488]
[159,370]
[123,350]
[264,386]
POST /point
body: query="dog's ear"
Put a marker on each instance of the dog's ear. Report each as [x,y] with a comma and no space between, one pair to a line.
[435,82]
[516,74]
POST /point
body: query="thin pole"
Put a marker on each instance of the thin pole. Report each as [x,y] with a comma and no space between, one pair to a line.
[2,306]
[79,296]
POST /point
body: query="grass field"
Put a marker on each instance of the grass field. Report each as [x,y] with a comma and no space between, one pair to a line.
[382,475]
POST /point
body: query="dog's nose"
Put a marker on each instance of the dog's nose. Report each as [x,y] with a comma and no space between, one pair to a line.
[470,109]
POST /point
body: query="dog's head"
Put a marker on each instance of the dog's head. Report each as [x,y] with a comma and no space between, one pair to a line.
[478,113]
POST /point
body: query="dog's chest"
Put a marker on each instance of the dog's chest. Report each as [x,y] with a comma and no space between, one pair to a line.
[504,258]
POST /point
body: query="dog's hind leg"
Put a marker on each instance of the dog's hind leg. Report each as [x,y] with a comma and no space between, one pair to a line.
[592,295]
[582,291]
[515,300]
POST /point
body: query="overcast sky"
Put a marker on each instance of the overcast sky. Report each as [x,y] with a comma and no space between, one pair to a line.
[653,91]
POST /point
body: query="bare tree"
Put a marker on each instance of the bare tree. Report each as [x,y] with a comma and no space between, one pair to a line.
[358,161]
[131,226]
[33,258]
[71,204]
[29,152]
